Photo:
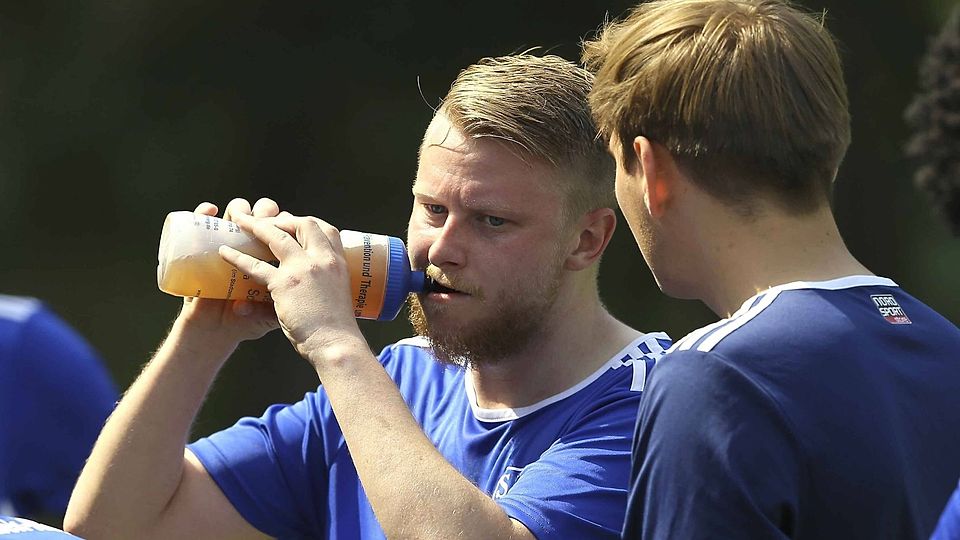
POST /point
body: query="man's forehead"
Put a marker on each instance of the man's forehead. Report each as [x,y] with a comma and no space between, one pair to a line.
[441,132]
[482,173]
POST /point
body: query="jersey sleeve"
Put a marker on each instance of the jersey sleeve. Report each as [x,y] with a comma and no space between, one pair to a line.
[63,395]
[578,487]
[277,470]
[714,457]
[272,468]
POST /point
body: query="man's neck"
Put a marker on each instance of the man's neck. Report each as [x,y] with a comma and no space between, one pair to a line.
[773,250]
[577,339]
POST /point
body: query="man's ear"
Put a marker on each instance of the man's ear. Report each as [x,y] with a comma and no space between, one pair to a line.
[659,174]
[596,229]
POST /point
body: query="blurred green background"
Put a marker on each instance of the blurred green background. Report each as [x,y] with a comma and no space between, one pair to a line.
[115,113]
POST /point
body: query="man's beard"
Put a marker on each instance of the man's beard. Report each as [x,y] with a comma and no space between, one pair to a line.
[512,322]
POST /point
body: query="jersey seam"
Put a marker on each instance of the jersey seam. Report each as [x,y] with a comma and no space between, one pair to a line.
[524,513]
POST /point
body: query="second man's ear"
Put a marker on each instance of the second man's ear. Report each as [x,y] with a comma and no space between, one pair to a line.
[659,174]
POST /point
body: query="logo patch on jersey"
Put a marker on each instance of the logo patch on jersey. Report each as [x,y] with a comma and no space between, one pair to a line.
[506,481]
[890,309]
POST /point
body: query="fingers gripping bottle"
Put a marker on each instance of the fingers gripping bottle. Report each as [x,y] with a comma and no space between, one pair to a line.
[190,265]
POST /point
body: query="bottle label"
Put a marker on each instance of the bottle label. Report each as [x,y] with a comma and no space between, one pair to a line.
[368,258]
[190,264]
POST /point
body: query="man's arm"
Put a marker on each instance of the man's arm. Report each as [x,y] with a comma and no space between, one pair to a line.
[414,491]
[713,456]
[138,482]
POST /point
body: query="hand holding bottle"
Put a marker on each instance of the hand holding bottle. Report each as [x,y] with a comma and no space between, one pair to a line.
[233,320]
[311,284]
[189,264]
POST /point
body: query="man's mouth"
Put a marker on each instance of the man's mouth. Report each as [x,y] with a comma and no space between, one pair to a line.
[444,284]
[441,288]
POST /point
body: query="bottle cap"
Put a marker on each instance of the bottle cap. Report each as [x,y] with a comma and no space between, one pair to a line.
[400,281]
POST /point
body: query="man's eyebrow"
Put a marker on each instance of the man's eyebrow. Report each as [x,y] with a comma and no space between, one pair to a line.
[489,207]
[475,204]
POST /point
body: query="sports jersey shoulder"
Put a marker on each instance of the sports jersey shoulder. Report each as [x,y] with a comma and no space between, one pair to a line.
[801,338]
[429,385]
[826,383]
[814,313]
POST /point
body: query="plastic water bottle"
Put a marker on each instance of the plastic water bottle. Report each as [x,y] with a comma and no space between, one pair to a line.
[190,265]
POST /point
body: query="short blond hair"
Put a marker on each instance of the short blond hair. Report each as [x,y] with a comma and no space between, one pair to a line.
[538,106]
[747,95]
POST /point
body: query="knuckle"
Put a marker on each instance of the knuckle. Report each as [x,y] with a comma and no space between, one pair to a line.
[292,280]
[318,267]
[321,266]
[260,267]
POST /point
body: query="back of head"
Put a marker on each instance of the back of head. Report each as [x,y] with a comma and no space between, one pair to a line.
[538,107]
[747,95]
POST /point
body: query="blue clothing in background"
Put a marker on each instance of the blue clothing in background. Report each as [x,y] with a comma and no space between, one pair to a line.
[559,466]
[54,398]
[12,528]
[818,410]
[949,526]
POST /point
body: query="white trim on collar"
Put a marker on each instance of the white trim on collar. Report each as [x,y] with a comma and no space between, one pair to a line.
[507,413]
[754,305]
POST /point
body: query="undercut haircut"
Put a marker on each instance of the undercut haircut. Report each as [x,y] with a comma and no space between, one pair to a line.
[538,107]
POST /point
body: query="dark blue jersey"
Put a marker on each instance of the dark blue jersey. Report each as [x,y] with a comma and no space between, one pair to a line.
[818,410]
[559,466]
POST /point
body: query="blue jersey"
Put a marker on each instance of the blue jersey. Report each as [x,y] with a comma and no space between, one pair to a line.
[818,410]
[559,466]
[54,398]
[948,528]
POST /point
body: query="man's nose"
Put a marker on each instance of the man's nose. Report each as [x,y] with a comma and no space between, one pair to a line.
[448,247]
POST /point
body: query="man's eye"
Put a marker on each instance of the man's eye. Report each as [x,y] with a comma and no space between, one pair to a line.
[494,221]
[435,208]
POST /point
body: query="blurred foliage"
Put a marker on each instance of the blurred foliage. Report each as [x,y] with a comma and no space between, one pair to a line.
[115,113]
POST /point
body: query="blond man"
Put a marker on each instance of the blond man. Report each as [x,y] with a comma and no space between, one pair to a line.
[521,430]
[824,403]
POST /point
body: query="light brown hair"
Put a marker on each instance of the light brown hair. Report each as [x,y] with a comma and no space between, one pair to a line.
[747,95]
[538,106]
